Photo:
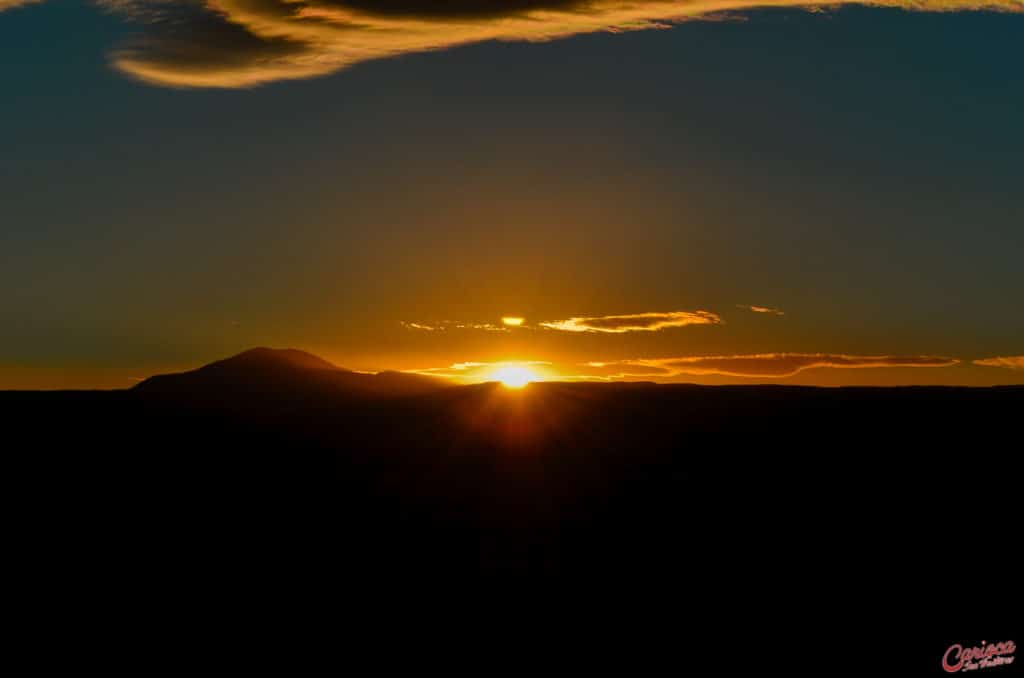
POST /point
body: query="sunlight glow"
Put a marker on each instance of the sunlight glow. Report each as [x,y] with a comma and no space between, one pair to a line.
[512,321]
[513,377]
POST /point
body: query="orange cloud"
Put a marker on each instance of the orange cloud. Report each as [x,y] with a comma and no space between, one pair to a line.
[452,325]
[762,309]
[471,372]
[243,43]
[1013,362]
[11,4]
[636,322]
[753,366]
[766,364]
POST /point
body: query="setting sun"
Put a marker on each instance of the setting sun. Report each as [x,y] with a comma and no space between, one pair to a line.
[513,377]
[512,321]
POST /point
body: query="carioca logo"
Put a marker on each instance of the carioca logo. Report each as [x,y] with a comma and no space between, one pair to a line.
[958,657]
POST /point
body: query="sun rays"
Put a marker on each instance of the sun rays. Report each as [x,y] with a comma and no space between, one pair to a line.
[513,376]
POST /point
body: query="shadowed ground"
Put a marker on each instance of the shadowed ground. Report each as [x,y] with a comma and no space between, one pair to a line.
[836,501]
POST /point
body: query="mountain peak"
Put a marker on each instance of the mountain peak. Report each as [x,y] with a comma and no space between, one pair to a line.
[291,357]
[283,372]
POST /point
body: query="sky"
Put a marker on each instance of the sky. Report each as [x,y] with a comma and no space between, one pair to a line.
[715,191]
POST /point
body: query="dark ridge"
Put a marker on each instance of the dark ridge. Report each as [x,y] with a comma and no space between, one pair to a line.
[282,373]
[865,513]
[281,356]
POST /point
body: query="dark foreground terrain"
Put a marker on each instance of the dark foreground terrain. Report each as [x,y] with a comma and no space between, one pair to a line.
[271,467]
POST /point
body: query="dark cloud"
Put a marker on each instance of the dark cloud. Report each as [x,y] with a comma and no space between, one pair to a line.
[186,44]
[243,43]
[454,8]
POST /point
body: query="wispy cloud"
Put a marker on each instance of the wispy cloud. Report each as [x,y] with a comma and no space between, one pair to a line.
[452,325]
[752,366]
[761,364]
[1013,362]
[613,324]
[421,326]
[470,372]
[761,309]
[242,43]
[636,322]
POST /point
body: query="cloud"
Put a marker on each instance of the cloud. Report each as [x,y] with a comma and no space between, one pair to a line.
[766,364]
[243,43]
[452,325]
[421,326]
[613,324]
[11,4]
[1013,362]
[471,372]
[761,309]
[754,366]
[636,322]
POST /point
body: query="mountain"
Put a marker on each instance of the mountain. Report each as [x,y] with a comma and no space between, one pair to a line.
[275,470]
[859,510]
[282,373]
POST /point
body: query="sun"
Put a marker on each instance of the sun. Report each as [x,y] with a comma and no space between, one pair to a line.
[513,377]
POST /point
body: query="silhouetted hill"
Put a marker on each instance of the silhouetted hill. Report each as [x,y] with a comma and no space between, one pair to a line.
[830,504]
[283,373]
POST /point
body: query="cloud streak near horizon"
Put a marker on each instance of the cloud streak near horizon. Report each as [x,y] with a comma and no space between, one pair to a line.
[636,322]
[610,324]
[762,309]
[472,371]
[244,43]
[753,366]
[762,365]
[1013,362]
[443,325]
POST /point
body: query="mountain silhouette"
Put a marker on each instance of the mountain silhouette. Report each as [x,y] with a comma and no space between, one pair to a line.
[274,461]
[282,373]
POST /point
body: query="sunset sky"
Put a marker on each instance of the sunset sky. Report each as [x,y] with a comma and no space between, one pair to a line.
[716,191]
